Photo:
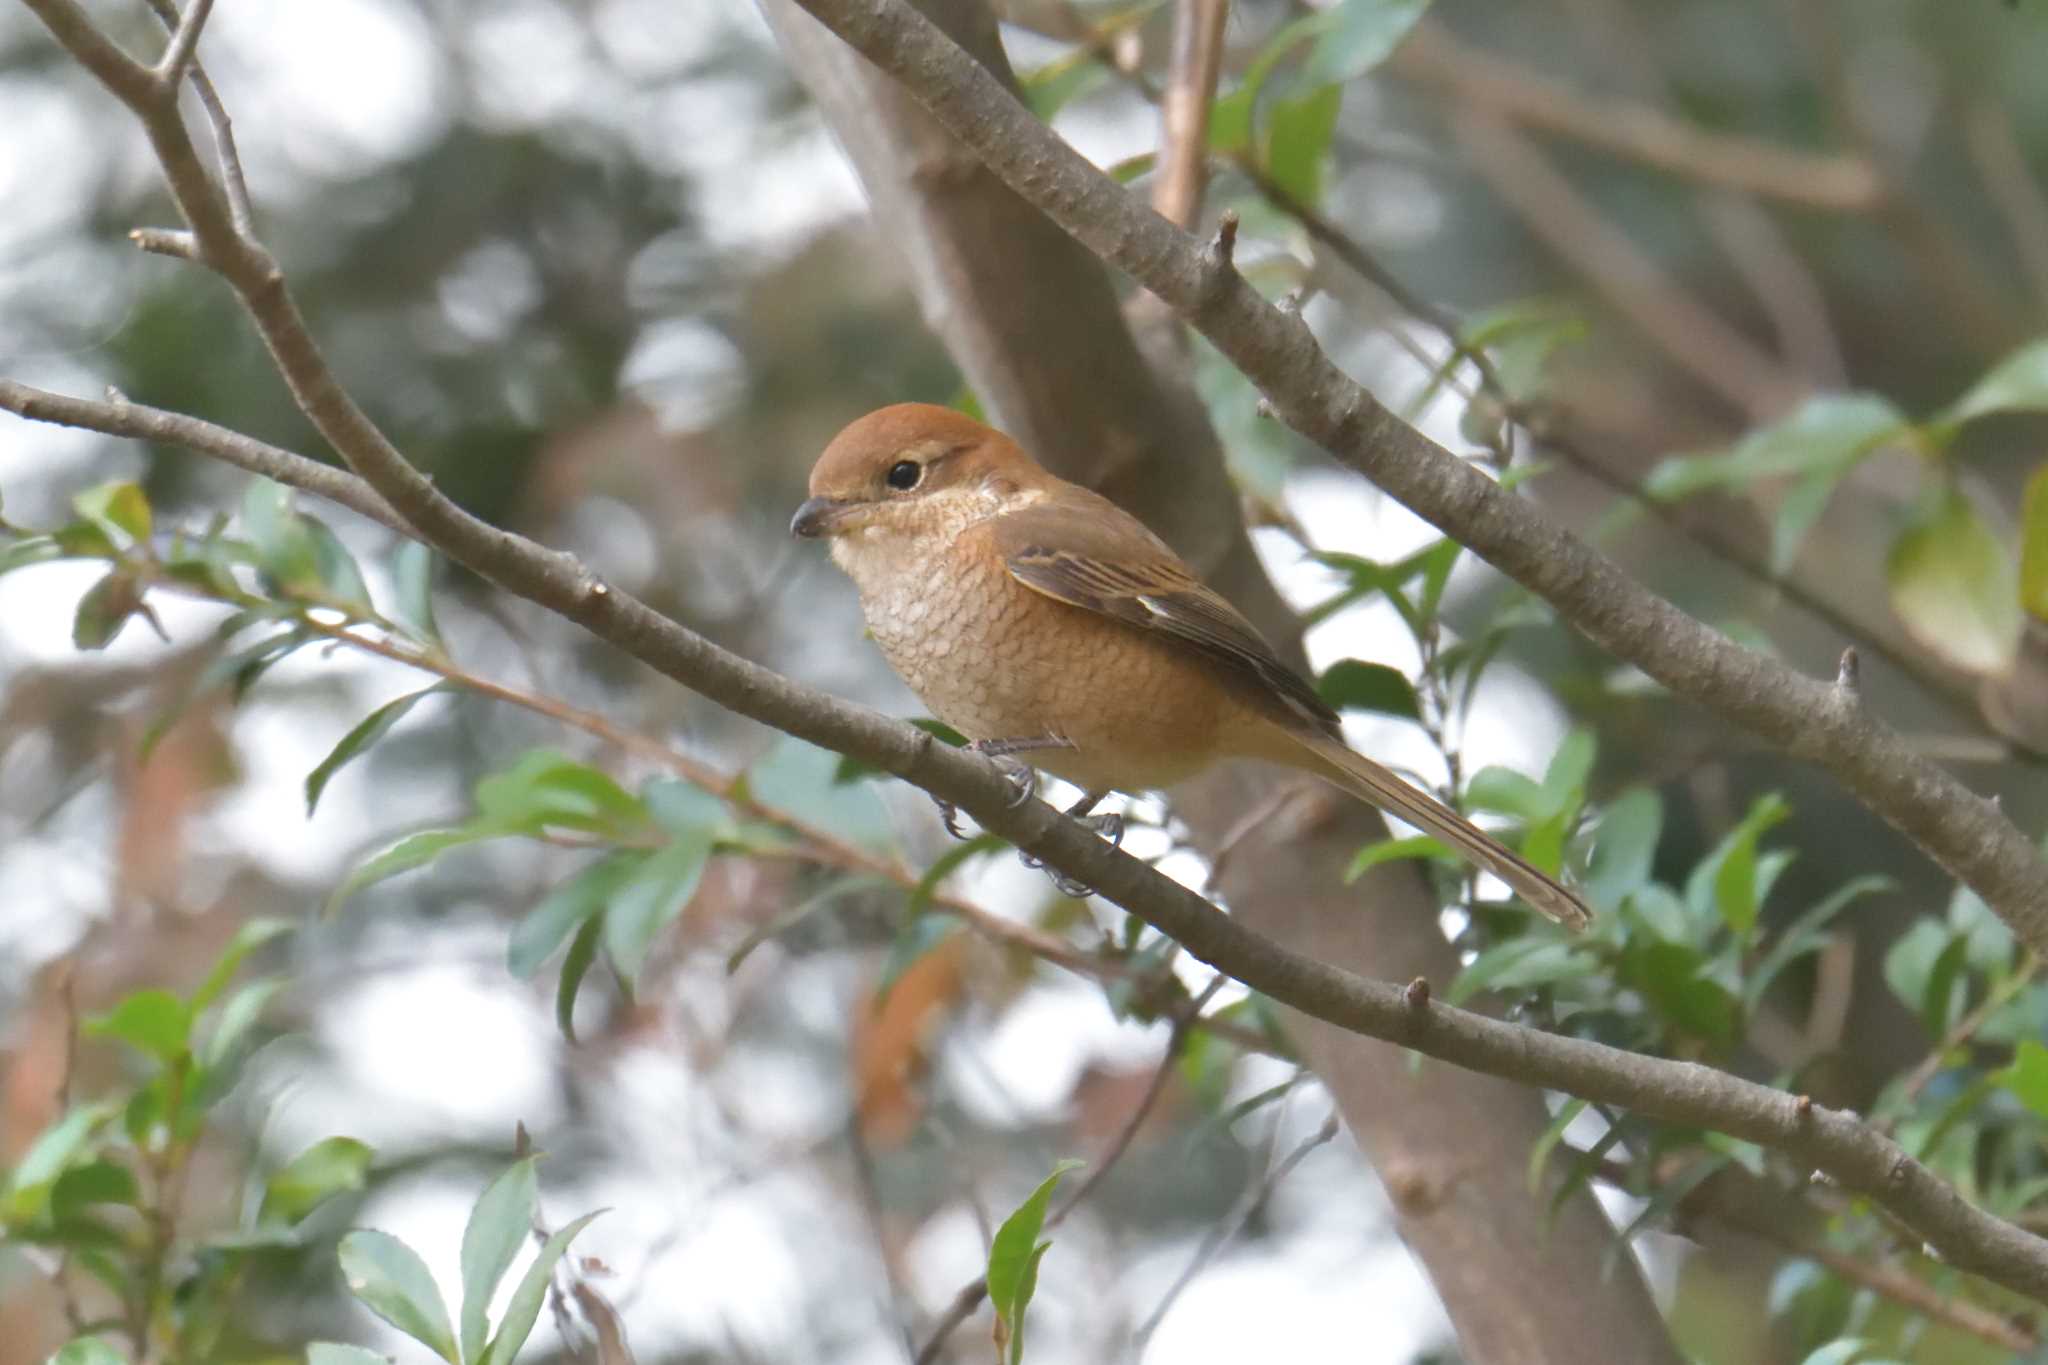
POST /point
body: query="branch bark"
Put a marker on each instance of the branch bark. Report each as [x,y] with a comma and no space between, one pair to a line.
[1966,834]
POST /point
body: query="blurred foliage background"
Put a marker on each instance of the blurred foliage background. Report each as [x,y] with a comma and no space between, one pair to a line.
[600,269]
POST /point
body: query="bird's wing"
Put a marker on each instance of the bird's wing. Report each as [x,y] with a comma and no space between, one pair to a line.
[1105,561]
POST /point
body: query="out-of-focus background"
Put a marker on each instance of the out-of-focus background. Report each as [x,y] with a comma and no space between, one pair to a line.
[603,270]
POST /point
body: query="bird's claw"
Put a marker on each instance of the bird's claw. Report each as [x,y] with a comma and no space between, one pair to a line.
[1023,779]
[1110,825]
[949,816]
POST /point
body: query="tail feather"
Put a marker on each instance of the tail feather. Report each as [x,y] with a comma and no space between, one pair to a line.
[1373,783]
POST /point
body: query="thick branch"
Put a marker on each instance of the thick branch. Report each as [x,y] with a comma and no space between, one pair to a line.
[1964,833]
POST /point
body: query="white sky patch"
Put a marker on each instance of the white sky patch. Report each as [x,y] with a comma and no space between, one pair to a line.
[688,371]
[450,1046]
[46,175]
[328,90]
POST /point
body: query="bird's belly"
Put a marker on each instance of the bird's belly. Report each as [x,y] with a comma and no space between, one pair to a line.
[998,661]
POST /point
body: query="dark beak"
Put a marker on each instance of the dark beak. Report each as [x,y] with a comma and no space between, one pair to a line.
[816,516]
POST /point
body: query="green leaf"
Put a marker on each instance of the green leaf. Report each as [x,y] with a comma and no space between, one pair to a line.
[1357,35]
[251,935]
[415,850]
[1805,935]
[105,608]
[1564,781]
[29,550]
[356,742]
[497,1227]
[575,966]
[412,569]
[1518,964]
[2018,383]
[340,580]
[1624,847]
[96,1182]
[227,1047]
[1956,590]
[1013,1258]
[1910,962]
[337,1353]
[652,896]
[1507,792]
[545,789]
[1052,86]
[1828,434]
[285,549]
[1298,146]
[87,1351]
[1727,881]
[1675,978]
[120,510]
[1394,850]
[2034,545]
[567,907]
[153,1021]
[2026,1079]
[336,1165]
[676,807]
[1818,444]
[1356,685]
[393,1282]
[524,1307]
[1539,1155]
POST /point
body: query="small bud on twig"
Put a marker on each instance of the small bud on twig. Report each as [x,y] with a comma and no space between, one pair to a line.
[1849,675]
[1223,247]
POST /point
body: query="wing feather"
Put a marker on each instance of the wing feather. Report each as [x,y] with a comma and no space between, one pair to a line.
[1098,564]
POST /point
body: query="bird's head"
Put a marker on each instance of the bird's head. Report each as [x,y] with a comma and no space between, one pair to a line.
[912,468]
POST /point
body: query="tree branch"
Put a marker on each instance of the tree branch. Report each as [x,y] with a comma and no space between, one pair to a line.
[1964,833]
[1483,83]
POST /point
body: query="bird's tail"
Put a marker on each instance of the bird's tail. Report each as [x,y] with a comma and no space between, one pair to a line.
[1367,780]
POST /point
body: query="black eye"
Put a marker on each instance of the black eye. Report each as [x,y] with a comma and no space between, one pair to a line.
[904,474]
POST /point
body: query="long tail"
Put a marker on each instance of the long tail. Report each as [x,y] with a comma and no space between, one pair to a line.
[1370,782]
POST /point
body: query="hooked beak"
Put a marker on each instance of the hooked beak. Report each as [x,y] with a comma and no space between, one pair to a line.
[817,517]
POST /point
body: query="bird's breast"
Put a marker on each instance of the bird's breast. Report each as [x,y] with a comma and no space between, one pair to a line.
[996,660]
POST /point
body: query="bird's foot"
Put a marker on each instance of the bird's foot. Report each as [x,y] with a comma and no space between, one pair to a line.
[1109,825]
[1022,778]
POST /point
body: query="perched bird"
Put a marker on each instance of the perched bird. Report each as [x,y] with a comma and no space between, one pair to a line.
[1039,618]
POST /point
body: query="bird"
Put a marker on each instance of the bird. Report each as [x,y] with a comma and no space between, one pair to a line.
[1036,617]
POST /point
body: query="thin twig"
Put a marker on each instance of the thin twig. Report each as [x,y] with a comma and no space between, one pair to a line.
[2010,182]
[1227,1230]
[1634,285]
[1840,182]
[1965,1029]
[1184,108]
[233,183]
[972,1293]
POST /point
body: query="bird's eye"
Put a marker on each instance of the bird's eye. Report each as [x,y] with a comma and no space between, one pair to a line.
[904,474]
